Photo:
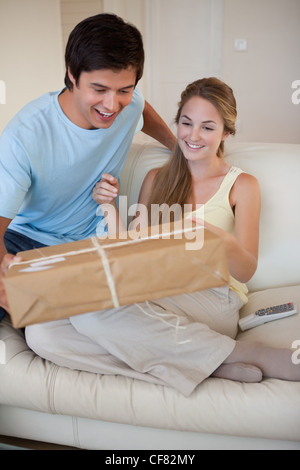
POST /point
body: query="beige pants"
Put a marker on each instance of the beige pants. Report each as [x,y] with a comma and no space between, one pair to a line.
[177,341]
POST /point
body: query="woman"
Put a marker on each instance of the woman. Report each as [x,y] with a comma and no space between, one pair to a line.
[180,341]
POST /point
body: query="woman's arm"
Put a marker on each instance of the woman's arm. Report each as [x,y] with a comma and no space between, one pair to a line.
[140,220]
[247,202]
[242,247]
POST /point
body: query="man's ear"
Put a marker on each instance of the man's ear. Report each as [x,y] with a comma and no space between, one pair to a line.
[72,79]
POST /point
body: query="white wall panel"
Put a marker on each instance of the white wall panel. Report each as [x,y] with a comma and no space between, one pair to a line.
[184,42]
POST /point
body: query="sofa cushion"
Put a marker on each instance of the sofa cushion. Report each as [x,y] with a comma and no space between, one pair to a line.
[217,406]
[277,168]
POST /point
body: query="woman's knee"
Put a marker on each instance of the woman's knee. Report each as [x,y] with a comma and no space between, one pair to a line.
[43,337]
[36,338]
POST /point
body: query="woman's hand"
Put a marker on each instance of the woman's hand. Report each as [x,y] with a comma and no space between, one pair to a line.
[106,190]
[242,262]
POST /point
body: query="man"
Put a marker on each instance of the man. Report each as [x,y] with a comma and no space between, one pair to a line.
[57,147]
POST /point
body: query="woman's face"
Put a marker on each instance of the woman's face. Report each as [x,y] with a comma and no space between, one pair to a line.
[200,129]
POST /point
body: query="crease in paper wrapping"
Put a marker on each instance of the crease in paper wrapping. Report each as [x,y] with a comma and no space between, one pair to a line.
[99,273]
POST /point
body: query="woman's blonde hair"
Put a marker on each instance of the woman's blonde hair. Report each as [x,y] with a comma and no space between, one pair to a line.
[172,184]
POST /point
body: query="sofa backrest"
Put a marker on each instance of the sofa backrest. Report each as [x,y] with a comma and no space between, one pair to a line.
[277,168]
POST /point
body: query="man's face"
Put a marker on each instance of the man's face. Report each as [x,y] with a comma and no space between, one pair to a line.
[100,96]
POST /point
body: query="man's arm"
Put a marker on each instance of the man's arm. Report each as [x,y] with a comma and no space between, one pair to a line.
[155,127]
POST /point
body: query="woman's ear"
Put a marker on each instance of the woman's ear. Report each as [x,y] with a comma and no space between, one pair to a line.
[225,135]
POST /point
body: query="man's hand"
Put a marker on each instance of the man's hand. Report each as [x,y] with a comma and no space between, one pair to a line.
[6,261]
[105,193]
[106,190]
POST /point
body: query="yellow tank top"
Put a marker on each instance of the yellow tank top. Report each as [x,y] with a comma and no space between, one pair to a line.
[218,212]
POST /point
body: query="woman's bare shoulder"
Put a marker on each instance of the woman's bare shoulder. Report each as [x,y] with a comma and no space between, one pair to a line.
[246,181]
[147,185]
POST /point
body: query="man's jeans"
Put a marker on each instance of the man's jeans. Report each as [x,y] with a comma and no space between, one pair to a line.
[14,243]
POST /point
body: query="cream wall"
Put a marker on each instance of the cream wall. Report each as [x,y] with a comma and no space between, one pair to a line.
[31,59]
[33,34]
[74,11]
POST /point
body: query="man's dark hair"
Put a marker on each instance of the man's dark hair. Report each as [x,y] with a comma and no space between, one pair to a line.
[103,41]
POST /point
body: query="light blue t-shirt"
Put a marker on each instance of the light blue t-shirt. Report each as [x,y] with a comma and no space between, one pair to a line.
[49,166]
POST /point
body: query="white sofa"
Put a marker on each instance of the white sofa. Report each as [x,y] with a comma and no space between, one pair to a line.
[41,401]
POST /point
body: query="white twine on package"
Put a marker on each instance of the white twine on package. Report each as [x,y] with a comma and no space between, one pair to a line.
[109,276]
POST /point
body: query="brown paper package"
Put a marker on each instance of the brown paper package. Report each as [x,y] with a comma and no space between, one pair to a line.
[99,273]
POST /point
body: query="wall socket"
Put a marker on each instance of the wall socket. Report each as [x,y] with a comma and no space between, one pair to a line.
[240,44]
